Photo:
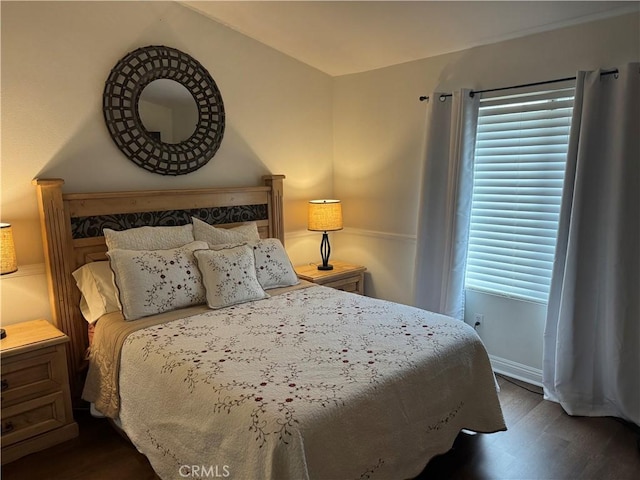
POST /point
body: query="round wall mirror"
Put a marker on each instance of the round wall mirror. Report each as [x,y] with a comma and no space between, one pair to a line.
[168,111]
[139,93]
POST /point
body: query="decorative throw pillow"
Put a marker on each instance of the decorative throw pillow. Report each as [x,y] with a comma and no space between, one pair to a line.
[273,267]
[155,281]
[99,295]
[149,238]
[204,232]
[229,276]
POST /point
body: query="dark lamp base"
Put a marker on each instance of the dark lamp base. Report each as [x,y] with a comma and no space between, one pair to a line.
[325,251]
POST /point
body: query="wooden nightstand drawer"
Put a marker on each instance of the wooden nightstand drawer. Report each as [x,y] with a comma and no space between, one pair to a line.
[36,403]
[344,276]
[32,374]
[349,284]
[34,417]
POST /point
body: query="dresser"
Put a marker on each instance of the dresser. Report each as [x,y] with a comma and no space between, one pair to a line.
[36,402]
[344,276]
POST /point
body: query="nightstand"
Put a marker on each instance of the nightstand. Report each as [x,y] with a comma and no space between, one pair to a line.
[36,402]
[344,276]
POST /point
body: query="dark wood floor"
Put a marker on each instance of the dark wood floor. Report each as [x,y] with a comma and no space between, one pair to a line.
[542,443]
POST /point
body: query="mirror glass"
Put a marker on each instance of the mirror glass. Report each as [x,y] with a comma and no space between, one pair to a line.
[168,111]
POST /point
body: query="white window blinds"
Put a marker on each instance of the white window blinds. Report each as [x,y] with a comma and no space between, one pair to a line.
[520,158]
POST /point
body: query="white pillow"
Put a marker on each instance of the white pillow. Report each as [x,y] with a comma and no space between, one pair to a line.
[99,295]
[273,267]
[149,238]
[229,276]
[155,281]
[202,231]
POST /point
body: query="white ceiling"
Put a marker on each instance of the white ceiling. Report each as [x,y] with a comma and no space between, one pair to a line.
[343,37]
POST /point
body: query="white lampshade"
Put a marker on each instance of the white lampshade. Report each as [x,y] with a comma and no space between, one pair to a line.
[325,215]
[8,263]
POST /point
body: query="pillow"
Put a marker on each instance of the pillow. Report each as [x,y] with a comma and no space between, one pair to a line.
[99,295]
[202,231]
[273,267]
[149,238]
[155,281]
[229,276]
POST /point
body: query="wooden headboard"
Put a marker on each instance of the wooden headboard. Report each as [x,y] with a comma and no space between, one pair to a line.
[72,226]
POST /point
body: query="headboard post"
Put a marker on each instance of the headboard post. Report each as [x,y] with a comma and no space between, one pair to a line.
[276,217]
[57,241]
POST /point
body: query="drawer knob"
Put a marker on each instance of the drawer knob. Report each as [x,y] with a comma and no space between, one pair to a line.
[7,427]
[5,384]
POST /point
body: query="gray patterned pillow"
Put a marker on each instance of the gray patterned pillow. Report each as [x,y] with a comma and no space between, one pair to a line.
[273,267]
[219,236]
[149,238]
[155,281]
[229,276]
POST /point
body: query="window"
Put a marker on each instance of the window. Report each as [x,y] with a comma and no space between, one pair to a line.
[520,157]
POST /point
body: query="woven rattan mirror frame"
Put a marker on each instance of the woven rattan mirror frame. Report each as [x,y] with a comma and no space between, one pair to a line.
[122,92]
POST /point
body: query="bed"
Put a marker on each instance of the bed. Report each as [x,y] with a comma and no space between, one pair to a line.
[293,380]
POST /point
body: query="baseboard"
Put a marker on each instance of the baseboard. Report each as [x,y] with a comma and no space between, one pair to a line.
[516,370]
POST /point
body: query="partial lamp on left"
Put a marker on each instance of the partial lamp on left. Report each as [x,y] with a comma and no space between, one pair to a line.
[8,262]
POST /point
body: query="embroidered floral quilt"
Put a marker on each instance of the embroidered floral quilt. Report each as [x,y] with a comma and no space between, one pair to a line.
[310,384]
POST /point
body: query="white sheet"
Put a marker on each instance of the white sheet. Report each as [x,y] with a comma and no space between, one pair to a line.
[312,384]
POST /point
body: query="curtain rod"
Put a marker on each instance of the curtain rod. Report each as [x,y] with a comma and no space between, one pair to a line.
[535,84]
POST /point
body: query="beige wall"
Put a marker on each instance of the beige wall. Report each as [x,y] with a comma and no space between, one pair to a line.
[357,137]
[379,141]
[56,57]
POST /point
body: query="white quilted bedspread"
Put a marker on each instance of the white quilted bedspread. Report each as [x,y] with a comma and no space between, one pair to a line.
[310,384]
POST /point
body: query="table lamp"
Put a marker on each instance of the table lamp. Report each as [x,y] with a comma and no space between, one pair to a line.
[8,263]
[325,216]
